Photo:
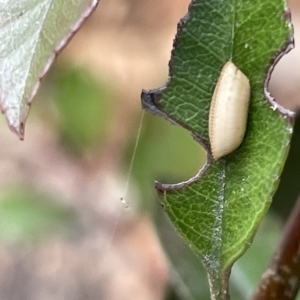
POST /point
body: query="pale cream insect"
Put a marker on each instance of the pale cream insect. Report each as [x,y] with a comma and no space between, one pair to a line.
[228,111]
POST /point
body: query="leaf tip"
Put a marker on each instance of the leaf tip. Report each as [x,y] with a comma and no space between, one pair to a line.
[18,130]
[14,123]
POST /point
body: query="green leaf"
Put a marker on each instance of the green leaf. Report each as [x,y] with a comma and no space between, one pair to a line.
[219,214]
[32,32]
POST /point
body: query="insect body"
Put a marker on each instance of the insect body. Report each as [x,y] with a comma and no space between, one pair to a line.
[228,111]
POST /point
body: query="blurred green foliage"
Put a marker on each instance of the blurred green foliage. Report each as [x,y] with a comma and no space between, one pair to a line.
[26,214]
[84,106]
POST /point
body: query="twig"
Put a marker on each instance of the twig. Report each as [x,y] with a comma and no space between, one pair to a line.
[281,280]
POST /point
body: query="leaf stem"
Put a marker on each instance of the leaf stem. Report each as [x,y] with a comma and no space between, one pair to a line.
[219,284]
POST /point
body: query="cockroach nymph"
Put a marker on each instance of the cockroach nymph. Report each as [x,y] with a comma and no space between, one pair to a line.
[228,111]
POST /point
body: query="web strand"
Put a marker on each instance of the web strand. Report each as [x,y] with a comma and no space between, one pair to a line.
[133,156]
[126,189]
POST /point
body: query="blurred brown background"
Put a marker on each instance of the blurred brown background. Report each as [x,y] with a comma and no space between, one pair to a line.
[110,251]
